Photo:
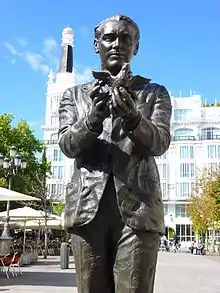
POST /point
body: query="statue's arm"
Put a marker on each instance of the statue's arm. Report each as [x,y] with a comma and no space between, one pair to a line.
[154,135]
[74,134]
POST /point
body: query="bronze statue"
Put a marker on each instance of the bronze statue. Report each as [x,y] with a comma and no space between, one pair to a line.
[113,127]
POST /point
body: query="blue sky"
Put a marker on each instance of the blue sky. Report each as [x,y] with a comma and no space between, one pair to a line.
[179,47]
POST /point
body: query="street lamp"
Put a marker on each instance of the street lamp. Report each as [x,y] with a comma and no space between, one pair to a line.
[11,166]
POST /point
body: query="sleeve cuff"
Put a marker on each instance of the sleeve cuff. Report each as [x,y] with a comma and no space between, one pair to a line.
[95,128]
[131,124]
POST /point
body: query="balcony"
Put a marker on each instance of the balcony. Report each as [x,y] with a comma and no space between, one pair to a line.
[209,137]
[51,142]
[177,138]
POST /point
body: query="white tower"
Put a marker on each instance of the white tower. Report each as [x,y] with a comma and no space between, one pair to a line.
[56,85]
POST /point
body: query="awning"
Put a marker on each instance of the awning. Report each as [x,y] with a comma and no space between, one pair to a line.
[10,195]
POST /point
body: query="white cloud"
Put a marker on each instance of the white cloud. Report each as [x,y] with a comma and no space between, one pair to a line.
[41,60]
[36,61]
[22,41]
[49,51]
[10,48]
[45,58]
[49,44]
[83,76]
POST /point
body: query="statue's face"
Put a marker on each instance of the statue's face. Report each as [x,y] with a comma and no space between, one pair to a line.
[116,45]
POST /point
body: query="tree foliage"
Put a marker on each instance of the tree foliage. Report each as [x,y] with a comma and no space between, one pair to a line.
[29,147]
[204,208]
[58,208]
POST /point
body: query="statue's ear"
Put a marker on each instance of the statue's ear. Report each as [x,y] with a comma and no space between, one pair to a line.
[136,49]
[96,45]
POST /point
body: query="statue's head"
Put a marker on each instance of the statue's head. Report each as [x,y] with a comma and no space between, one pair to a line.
[116,41]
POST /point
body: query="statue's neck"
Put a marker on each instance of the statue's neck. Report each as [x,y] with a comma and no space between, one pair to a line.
[113,72]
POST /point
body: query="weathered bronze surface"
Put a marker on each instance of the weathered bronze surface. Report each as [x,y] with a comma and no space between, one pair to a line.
[113,127]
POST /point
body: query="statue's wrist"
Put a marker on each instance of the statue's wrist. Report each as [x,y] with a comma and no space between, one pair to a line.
[131,122]
[94,124]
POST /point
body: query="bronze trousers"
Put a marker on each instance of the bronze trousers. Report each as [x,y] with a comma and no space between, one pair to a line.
[111,257]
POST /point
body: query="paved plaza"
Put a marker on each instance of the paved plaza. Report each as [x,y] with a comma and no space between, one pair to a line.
[176,273]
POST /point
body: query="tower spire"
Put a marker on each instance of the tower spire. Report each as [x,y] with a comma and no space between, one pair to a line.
[66,62]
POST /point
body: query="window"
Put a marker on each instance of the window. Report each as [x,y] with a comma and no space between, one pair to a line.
[57,155]
[163,157]
[181,114]
[48,188]
[184,189]
[55,103]
[54,137]
[180,211]
[164,190]
[184,232]
[53,188]
[210,133]
[183,132]
[57,172]
[165,209]
[60,155]
[54,120]
[59,189]
[186,152]
[214,151]
[162,169]
[212,166]
[187,170]
[54,172]
[60,172]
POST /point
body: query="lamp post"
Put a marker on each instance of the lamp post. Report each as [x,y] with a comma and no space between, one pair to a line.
[11,166]
[168,228]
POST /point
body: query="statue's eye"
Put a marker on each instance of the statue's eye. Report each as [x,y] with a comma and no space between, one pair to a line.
[125,38]
[109,37]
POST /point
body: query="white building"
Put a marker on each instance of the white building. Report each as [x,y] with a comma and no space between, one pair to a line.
[195,144]
[56,85]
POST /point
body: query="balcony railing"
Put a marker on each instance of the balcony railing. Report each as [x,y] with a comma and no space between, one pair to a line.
[175,138]
[209,137]
[51,141]
[199,137]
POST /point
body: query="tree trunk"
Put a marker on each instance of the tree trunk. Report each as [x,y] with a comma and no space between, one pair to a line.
[45,239]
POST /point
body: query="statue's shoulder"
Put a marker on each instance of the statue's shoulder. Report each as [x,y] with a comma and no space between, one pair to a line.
[151,86]
[83,87]
[78,89]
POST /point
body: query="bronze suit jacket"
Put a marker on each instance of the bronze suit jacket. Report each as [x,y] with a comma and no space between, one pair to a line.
[129,156]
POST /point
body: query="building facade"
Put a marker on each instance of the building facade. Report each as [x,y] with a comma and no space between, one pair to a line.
[56,85]
[195,144]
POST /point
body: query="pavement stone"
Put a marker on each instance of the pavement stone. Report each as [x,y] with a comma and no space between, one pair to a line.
[176,273]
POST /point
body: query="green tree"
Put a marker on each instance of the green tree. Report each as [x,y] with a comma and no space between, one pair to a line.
[28,146]
[58,208]
[39,188]
[204,208]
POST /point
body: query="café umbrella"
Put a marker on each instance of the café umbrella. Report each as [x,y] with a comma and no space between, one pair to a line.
[23,215]
[10,195]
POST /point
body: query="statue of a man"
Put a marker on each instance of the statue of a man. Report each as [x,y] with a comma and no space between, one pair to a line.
[113,127]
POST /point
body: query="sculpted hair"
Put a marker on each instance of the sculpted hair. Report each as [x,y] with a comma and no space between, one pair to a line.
[97,29]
